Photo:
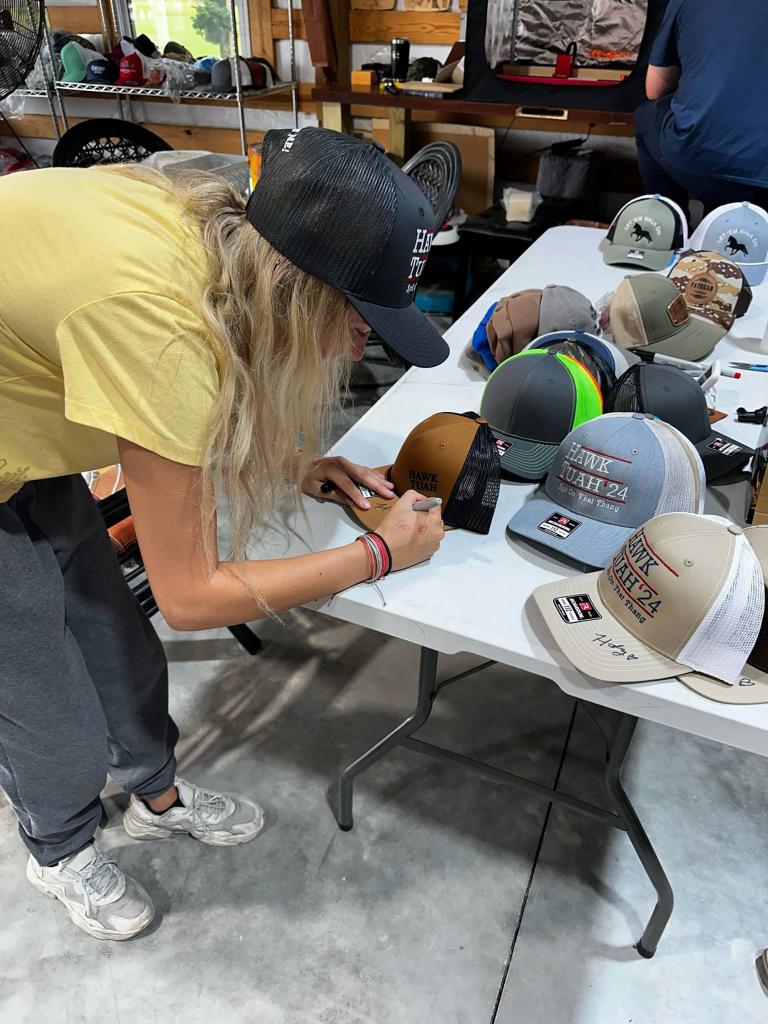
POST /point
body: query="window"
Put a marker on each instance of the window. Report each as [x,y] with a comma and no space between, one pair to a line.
[203,26]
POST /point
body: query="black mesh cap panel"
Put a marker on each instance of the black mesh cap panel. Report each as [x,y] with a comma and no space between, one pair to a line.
[625,395]
[476,492]
[327,202]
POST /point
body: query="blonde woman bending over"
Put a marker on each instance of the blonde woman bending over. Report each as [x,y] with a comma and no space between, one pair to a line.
[198,342]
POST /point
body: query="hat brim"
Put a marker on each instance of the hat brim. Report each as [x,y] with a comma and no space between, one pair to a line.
[652,259]
[718,463]
[407,331]
[754,272]
[694,342]
[601,647]
[591,543]
[528,460]
[372,518]
[750,688]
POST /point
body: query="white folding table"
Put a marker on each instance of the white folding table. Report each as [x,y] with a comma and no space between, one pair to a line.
[475,593]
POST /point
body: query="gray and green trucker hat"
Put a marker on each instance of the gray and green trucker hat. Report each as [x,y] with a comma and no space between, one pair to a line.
[646,233]
[531,401]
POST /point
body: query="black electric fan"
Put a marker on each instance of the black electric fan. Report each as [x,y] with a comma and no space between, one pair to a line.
[21,36]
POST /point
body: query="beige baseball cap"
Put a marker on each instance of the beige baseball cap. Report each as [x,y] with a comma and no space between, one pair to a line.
[648,311]
[684,592]
[752,685]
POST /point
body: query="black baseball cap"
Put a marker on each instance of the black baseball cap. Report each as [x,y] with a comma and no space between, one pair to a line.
[531,401]
[340,210]
[102,70]
[675,397]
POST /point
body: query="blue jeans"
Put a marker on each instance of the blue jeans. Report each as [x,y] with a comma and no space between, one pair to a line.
[659,177]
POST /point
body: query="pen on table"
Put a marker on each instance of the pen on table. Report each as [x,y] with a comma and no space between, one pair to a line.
[757,367]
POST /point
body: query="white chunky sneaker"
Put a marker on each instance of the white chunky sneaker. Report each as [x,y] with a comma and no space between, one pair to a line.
[100,899]
[216,818]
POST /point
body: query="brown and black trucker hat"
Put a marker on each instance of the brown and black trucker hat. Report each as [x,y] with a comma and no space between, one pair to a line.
[451,456]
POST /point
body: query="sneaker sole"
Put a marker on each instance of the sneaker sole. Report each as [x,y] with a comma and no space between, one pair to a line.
[94,930]
[138,829]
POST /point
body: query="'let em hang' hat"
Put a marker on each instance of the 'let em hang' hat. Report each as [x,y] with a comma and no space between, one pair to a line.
[531,401]
[339,209]
[740,232]
[714,287]
[608,477]
[684,592]
[604,360]
[511,323]
[647,311]
[752,685]
[675,397]
[645,233]
[450,456]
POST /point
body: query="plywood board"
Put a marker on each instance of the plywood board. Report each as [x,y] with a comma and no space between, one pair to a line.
[478,156]
[373,5]
[425,5]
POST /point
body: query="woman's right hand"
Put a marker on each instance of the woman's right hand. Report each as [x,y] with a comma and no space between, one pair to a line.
[412,536]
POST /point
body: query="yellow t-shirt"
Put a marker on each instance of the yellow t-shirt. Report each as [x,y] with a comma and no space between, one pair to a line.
[101,333]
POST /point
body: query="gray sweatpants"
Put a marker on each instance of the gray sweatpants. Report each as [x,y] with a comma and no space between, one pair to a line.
[83,676]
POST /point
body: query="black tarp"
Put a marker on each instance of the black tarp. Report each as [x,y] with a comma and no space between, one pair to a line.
[607,33]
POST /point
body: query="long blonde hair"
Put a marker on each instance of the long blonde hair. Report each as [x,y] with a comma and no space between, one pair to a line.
[274,328]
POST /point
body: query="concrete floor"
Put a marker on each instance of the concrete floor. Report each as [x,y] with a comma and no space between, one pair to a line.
[454,900]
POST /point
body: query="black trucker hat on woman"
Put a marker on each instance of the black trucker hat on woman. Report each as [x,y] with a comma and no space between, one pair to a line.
[339,209]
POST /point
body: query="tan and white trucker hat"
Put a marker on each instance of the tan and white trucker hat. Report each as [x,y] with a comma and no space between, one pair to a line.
[648,311]
[752,685]
[684,592]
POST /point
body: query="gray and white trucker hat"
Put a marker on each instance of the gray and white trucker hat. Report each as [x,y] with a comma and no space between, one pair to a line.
[740,232]
[609,476]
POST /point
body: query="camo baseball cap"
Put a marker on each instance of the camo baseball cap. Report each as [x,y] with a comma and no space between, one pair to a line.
[645,233]
[713,287]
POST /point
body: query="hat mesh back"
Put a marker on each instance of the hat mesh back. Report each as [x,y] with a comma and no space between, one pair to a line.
[311,203]
[473,499]
[729,630]
[683,486]
[625,397]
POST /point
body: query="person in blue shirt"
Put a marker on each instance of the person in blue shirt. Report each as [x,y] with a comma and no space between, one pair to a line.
[704,128]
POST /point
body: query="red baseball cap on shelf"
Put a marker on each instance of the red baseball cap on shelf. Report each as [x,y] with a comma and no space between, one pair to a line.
[131,70]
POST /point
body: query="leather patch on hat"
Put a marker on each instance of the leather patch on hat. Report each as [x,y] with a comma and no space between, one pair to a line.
[700,289]
[677,311]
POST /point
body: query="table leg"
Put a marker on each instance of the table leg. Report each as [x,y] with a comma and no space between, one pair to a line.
[426,696]
[662,911]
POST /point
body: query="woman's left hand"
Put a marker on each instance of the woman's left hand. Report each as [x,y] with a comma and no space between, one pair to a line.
[345,476]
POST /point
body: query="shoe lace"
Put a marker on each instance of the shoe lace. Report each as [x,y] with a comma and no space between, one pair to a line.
[102,882]
[207,808]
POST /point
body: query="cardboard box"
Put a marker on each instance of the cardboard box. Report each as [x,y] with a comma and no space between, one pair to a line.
[362,81]
[478,156]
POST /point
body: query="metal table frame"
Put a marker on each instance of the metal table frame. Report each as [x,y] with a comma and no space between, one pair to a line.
[623,817]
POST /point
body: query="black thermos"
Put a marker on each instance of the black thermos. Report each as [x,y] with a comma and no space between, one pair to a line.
[401,49]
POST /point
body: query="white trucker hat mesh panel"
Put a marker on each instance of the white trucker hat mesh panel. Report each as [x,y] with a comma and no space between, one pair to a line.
[684,484]
[732,624]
